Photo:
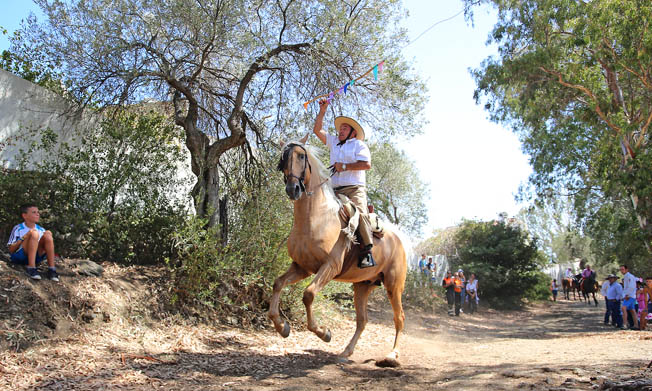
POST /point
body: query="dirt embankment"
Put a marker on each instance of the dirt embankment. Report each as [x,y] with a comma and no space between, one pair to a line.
[117,332]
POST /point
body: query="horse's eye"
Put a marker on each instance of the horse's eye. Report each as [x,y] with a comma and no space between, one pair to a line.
[302,157]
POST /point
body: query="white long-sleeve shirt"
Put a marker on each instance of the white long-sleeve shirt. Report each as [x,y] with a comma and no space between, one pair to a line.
[629,285]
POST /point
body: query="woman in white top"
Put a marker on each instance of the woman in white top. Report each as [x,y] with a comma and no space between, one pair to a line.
[472,292]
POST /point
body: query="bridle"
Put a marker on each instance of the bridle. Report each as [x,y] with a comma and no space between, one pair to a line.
[306,166]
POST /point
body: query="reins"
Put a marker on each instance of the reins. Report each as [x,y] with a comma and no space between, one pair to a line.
[301,179]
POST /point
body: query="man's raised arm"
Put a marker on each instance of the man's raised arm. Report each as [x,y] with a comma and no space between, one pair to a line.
[319,121]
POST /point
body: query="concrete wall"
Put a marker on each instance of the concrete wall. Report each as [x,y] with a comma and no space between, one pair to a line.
[26,106]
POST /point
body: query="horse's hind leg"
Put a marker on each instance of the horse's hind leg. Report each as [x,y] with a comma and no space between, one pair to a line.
[594,299]
[394,294]
[361,291]
[292,275]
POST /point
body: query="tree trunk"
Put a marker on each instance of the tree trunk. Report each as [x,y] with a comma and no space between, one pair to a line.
[224,222]
[206,194]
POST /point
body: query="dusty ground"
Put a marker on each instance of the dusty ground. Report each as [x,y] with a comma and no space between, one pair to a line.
[109,343]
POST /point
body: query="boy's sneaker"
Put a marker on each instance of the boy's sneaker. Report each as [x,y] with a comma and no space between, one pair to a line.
[52,275]
[33,273]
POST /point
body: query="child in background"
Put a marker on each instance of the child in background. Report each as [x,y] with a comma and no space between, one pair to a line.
[554,288]
[642,297]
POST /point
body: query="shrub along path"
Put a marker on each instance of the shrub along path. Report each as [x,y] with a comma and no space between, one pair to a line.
[89,333]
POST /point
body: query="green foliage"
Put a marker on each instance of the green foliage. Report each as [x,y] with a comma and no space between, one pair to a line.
[107,196]
[553,222]
[420,292]
[395,188]
[540,289]
[573,80]
[229,66]
[237,275]
[504,259]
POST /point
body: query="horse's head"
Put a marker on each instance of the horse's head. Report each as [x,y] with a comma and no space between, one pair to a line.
[296,169]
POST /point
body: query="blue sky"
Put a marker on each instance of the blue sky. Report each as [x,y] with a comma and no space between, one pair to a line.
[474,167]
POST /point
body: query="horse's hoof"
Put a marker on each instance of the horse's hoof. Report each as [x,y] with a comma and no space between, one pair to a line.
[286,330]
[344,360]
[327,336]
[388,362]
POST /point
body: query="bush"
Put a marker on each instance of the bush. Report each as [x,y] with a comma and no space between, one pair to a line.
[421,292]
[504,259]
[110,196]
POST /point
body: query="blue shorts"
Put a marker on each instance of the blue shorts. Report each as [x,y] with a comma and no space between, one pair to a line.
[630,304]
[20,257]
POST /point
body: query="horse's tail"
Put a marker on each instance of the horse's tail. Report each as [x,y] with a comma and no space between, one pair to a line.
[408,248]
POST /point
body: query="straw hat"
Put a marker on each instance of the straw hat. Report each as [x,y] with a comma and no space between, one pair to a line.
[359,132]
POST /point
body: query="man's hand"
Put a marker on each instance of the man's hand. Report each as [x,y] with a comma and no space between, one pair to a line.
[339,167]
[323,105]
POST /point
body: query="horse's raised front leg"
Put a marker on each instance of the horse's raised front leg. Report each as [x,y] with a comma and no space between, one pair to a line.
[325,274]
[294,274]
[361,293]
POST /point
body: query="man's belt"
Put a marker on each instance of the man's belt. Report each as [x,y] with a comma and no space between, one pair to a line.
[338,188]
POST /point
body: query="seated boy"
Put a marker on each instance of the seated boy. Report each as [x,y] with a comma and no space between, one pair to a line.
[29,243]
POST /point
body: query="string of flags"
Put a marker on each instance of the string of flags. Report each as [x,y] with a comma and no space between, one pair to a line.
[378,67]
[343,89]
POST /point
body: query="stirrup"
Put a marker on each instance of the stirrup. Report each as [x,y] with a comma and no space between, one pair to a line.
[366,260]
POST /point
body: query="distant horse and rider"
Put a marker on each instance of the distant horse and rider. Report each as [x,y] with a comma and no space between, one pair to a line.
[319,245]
[584,284]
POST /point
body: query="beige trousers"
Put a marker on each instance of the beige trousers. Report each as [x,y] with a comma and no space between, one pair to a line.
[358,195]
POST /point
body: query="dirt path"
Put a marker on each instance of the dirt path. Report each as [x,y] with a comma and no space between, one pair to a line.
[551,346]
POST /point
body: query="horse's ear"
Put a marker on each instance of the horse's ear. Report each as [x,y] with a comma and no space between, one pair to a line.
[304,138]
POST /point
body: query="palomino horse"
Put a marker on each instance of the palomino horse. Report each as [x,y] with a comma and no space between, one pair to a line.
[318,246]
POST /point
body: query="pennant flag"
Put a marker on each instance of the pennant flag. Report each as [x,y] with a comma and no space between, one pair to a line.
[376,68]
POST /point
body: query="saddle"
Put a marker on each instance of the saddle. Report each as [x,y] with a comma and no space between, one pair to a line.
[350,218]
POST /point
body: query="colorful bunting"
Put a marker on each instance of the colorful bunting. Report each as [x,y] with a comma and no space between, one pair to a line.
[330,96]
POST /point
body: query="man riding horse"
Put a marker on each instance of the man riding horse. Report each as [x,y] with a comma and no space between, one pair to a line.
[350,158]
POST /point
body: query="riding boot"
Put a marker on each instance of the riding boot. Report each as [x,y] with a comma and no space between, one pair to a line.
[366,260]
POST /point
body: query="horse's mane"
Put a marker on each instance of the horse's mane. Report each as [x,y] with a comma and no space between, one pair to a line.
[315,158]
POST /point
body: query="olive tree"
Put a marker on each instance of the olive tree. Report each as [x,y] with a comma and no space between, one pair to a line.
[234,72]
[574,80]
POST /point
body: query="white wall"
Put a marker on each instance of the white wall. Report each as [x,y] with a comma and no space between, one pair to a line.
[26,106]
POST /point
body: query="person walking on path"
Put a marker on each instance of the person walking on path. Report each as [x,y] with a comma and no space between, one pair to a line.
[449,286]
[629,295]
[603,291]
[472,293]
[460,274]
[554,288]
[614,295]
[642,299]
[458,284]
